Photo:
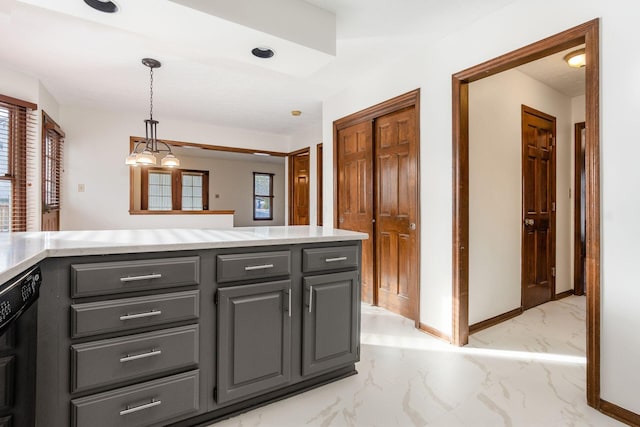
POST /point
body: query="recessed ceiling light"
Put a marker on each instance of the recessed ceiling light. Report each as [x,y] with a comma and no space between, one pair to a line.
[296,112]
[105,6]
[576,59]
[263,52]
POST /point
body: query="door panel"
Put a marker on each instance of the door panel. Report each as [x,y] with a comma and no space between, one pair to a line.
[355,194]
[538,233]
[396,215]
[254,328]
[330,335]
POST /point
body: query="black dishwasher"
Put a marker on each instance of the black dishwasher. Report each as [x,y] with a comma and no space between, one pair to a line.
[18,338]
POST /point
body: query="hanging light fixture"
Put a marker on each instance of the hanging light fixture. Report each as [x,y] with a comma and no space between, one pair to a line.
[144,151]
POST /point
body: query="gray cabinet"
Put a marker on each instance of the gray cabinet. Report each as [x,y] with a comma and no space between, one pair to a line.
[254,339]
[330,321]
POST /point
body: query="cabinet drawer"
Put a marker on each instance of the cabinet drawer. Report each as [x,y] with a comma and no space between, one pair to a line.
[253,266]
[131,313]
[105,362]
[143,404]
[333,258]
[125,276]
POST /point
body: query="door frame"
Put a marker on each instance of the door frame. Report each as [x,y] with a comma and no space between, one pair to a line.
[409,99]
[525,109]
[290,179]
[587,33]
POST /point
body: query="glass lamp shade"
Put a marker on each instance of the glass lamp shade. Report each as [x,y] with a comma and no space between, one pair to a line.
[170,161]
[146,158]
[132,160]
[576,59]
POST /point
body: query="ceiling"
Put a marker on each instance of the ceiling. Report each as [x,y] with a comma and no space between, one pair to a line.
[554,72]
[86,58]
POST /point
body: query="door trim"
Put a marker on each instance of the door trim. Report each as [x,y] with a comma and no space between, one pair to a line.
[409,99]
[290,178]
[552,215]
[587,33]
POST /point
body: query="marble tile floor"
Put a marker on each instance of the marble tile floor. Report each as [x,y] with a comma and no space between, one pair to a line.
[526,372]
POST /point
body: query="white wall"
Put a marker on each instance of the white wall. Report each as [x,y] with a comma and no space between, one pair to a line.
[495,189]
[518,24]
[104,137]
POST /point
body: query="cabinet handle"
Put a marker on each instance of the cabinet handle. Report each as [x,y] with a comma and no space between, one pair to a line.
[131,410]
[129,358]
[145,277]
[258,267]
[340,258]
[289,302]
[141,315]
[310,298]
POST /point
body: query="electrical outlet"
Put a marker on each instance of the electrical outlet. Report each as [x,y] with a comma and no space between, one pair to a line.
[80,188]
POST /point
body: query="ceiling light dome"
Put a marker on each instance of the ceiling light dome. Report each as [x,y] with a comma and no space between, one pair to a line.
[576,59]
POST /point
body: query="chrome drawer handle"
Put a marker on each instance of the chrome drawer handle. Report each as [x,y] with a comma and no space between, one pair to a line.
[258,267]
[141,315]
[310,298]
[129,358]
[151,404]
[145,277]
[340,258]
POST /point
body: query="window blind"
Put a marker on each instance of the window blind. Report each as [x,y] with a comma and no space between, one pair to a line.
[17,163]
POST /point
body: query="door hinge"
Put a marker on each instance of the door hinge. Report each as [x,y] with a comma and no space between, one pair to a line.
[215,394]
[553,271]
[553,206]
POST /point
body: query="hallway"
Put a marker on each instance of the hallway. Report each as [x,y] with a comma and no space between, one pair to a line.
[528,371]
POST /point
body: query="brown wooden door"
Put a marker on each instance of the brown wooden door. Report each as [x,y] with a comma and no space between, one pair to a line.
[396,211]
[539,195]
[355,194]
[299,189]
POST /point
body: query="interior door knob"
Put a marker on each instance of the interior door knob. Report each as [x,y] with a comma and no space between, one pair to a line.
[529,221]
[412,226]
[341,220]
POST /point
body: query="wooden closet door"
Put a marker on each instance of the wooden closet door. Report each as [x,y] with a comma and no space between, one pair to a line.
[396,211]
[355,194]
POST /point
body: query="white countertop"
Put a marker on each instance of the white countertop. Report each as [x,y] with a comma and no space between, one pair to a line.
[19,251]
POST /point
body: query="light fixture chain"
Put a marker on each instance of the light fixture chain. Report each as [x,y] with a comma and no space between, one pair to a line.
[151,94]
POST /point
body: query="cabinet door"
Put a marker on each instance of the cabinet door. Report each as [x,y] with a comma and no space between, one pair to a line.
[254,339]
[331,337]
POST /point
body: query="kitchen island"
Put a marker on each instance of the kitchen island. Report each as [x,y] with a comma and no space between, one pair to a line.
[182,327]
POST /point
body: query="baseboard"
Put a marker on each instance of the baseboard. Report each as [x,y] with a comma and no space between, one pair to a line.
[620,414]
[494,320]
[434,332]
[564,294]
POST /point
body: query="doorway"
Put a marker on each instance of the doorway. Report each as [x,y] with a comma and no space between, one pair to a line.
[376,155]
[579,240]
[299,187]
[588,34]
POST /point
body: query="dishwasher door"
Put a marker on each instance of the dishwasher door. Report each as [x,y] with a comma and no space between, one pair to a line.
[18,341]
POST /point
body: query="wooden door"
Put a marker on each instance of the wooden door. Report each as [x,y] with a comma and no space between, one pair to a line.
[355,194]
[538,203]
[396,211]
[299,188]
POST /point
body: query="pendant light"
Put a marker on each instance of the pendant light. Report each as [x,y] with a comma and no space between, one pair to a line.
[144,151]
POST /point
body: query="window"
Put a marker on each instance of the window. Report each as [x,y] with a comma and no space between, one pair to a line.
[262,196]
[174,189]
[17,130]
[52,143]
